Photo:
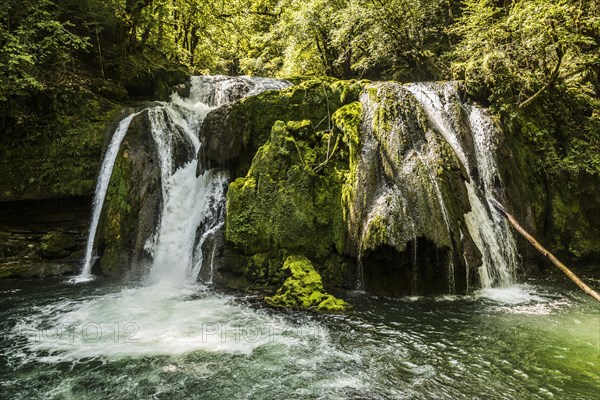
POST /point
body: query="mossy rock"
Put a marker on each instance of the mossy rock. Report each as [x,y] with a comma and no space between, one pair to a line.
[553,178]
[37,269]
[55,151]
[303,289]
[57,245]
[131,208]
[265,268]
[290,200]
[232,134]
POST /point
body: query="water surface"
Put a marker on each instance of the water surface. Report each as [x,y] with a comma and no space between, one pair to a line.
[538,340]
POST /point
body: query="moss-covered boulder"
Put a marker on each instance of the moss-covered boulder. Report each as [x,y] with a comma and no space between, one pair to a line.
[291,197]
[288,199]
[232,134]
[303,289]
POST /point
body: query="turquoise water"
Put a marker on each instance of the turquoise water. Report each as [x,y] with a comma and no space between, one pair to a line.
[538,340]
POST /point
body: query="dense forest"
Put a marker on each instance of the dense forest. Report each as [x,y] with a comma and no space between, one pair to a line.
[513,54]
[529,46]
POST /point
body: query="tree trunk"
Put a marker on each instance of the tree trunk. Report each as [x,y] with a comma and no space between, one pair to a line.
[546,253]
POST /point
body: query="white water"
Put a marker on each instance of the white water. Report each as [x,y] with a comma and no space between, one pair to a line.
[487,227]
[172,313]
[190,203]
[154,320]
[217,90]
[191,206]
[101,188]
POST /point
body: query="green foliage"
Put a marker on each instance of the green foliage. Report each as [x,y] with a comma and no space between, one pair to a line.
[304,289]
[511,50]
[353,38]
[36,49]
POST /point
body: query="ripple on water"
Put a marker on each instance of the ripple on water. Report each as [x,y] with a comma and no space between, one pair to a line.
[457,348]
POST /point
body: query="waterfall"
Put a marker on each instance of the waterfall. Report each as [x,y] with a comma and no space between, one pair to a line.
[192,207]
[487,227]
[100,193]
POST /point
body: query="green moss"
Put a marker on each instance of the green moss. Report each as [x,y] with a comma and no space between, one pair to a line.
[555,175]
[117,211]
[56,154]
[407,160]
[311,104]
[290,198]
[303,289]
[376,233]
[57,245]
[348,120]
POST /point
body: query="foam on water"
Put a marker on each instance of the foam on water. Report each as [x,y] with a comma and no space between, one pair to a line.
[515,294]
[154,320]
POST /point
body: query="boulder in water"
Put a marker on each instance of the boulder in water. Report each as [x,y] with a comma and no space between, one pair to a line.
[304,289]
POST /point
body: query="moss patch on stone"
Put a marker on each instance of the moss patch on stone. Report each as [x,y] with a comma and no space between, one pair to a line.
[57,245]
[287,201]
[57,151]
[303,289]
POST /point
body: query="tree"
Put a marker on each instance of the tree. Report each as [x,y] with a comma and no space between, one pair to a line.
[514,51]
[36,49]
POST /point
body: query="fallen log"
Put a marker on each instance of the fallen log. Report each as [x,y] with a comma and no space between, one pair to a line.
[545,252]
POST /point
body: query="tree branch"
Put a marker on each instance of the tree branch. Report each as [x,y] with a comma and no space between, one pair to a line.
[555,74]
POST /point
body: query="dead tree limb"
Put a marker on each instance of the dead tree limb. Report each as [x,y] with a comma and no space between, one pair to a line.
[546,253]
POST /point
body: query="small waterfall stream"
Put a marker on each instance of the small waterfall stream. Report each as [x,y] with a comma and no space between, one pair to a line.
[487,227]
[192,207]
[101,188]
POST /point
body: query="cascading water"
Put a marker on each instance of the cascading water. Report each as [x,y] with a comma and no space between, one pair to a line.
[192,207]
[487,227]
[425,175]
[101,188]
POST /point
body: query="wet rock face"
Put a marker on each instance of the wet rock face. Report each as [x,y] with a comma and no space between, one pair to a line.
[57,245]
[409,190]
[40,238]
[132,205]
[223,137]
